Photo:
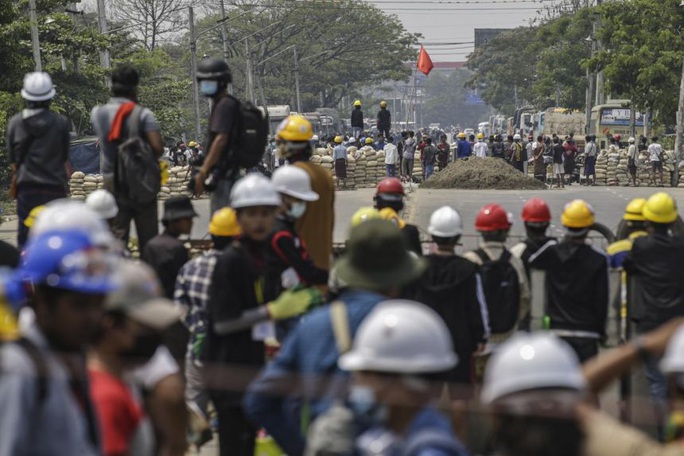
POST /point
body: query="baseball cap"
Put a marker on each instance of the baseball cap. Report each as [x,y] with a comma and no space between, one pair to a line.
[140,297]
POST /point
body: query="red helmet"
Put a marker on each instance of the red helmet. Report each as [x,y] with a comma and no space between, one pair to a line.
[492,217]
[617,137]
[390,186]
[536,210]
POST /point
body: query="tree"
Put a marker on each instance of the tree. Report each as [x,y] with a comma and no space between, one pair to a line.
[342,46]
[153,20]
[641,55]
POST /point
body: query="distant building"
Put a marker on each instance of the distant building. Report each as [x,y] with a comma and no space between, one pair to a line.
[482,36]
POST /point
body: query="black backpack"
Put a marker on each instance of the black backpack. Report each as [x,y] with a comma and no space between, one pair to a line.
[137,176]
[250,135]
[502,291]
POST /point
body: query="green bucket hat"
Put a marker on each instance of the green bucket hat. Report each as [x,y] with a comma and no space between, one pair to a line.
[378,258]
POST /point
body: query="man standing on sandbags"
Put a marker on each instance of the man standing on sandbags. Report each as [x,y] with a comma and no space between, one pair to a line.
[384,120]
[357,120]
[112,123]
[38,148]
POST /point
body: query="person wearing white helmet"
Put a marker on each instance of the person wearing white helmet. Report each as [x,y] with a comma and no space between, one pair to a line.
[518,154]
[103,202]
[66,214]
[396,352]
[38,149]
[452,287]
[238,304]
[287,261]
[632,160]
[534,383]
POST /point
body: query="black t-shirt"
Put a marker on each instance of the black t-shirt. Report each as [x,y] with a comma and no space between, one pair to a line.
[222,117]
[558,153]
[9,255]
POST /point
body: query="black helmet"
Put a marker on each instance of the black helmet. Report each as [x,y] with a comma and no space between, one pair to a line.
[593,137]
[215,69]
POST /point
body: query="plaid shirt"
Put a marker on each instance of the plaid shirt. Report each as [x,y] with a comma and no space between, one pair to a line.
[192,295]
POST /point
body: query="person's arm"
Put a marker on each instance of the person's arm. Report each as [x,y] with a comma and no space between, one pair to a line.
[218,145]
[601,371]
[18,390]
[265,401]
[154,139]
[284,246]
[477,311]
[167,410]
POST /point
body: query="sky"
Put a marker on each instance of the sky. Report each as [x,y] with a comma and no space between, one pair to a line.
[454,21]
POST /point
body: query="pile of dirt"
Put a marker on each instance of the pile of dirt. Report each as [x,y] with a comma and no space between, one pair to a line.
[482,173]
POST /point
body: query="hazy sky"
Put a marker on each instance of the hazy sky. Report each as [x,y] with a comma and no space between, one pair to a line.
[454,21]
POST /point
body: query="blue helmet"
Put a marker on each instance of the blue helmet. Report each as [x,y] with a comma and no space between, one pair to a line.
[68,260]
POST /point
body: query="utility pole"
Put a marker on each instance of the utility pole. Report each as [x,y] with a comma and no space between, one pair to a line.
[679,138]
[600,94]
[299,100]
[193,71]
[102,25]
[249,89]
[35,40]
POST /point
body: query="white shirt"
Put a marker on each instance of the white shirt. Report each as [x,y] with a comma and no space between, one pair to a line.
[391,153]
[655,150]
[480,149]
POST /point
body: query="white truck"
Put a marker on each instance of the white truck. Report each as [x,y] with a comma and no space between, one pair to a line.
[277,114]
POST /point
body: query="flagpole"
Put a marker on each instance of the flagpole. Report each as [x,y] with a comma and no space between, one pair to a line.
[414,98]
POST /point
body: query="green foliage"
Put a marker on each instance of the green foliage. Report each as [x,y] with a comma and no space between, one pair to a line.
[642,54]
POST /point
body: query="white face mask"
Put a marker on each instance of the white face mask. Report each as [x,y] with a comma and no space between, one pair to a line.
[297,209]
[208,88]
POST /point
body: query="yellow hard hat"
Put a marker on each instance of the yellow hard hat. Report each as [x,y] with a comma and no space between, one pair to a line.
[357,103]
[634,210]
[224,223]
[338,139]
[480,136]
[192,144]
[363,214]
[369,140]
[387,213]
[461,135]
[660,208]
[295,128]
[577,214]
[383,104]
[33,215]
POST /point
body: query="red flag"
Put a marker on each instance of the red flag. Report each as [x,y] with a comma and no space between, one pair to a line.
[424,62]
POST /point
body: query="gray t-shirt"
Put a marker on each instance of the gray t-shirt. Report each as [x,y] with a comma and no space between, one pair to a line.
[57,425]
[102,118]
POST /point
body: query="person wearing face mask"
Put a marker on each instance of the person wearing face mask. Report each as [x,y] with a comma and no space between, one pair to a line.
[397,351]
[287,261]
[213,76]
[129,334]
[234,347]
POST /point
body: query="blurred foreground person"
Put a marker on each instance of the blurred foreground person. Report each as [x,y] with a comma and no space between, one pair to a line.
[44,392]
[397,351]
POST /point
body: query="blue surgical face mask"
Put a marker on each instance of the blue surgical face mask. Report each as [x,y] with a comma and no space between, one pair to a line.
[297,210]
[208,88]
[363,404]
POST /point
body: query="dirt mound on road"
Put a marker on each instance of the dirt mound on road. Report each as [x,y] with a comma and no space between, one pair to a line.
[482,173]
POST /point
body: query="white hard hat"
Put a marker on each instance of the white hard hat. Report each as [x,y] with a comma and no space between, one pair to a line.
[673,361]
[102,202]
[516,136]
[445,222]
[254,190]
[68,214]
[294,181]
[631,139]
[314,138]
[401,336]
[38,87]
[531,361]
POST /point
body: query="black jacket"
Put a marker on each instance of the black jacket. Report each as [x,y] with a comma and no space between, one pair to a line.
[236,285]
[576,285]
[531,247]
[384,118]
[656,261]
[450,286]
[412,236]
[166,254]
[287,249]
[357,118]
